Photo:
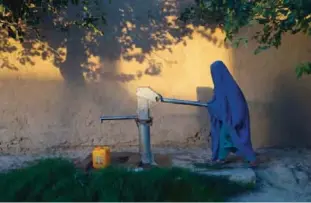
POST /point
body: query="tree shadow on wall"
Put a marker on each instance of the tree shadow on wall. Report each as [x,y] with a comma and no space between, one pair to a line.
[135,30]
[290,112]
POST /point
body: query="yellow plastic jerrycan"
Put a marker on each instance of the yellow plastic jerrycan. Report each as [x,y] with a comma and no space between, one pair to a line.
[101,157]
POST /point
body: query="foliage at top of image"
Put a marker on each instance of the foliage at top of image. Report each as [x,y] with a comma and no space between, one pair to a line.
[58,180]
[277,17]
[28,21]
[81,25]
[19,17]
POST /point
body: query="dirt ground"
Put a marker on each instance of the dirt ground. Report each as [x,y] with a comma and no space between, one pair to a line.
[283,175]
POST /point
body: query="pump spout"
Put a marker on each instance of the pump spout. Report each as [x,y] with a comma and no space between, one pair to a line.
[183,102]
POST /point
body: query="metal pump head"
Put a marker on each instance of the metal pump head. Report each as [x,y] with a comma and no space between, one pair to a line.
[148,93]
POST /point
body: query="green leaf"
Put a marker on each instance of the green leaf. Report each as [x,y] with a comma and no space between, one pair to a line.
[260,49]
[2,9]
[13,29]
[295,31]
[262,21]
[291,19]
[245,42]
[236,44]
[303,69]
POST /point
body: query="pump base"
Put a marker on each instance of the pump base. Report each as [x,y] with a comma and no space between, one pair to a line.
[128,160]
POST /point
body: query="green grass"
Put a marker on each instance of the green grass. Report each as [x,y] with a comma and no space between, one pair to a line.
[58,180]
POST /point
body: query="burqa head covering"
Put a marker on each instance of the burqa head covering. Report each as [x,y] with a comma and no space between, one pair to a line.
[229,103]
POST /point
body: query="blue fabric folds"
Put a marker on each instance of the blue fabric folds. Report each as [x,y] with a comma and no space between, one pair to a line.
[228,106]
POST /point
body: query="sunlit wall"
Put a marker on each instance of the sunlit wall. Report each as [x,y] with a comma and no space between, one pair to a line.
[53,93]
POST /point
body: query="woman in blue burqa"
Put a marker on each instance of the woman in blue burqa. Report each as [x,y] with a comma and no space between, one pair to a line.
[229,115]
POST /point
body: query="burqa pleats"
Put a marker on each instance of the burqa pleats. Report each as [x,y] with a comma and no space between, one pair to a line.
[229,107]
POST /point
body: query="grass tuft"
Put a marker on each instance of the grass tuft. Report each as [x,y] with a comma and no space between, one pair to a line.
[58,180]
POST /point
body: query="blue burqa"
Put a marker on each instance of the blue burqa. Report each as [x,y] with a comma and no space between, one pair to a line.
[229,107]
